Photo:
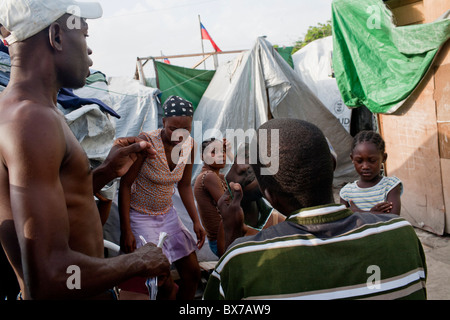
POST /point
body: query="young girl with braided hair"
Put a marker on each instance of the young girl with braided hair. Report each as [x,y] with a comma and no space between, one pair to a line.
[373,192]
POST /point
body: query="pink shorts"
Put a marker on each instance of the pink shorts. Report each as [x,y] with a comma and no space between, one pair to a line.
[179,242]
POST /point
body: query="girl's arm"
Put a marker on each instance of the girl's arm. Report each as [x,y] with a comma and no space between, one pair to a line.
[127,240]
[342,201]
[232,225]
[394,198]
[383,207]
[187,196]
[213,186]
[351,205]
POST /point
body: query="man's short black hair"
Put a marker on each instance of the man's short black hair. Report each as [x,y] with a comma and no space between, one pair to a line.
[305,171]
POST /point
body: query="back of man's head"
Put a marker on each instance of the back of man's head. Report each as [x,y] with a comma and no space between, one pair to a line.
[305,169]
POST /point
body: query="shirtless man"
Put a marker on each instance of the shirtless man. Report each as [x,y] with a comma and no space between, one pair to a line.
[49,222]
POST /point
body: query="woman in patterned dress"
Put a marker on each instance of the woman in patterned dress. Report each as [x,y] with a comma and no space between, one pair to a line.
[145,196]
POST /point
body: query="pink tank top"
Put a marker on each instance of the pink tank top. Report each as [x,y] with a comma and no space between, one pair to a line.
[151,192]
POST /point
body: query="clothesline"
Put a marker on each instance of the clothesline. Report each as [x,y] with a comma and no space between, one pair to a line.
[132,95]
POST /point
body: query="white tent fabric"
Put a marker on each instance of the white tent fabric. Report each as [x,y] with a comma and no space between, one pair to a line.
[243,90]
[95,130]
[313,64]
[91,126]
[135,103]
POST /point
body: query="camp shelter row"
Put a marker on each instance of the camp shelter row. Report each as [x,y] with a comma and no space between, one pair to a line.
[259,84]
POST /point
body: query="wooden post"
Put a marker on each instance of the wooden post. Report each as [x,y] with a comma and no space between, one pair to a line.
[156,74]
[216,62]
[203,60]
[140,70]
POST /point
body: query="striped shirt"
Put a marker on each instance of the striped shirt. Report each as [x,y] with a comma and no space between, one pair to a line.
[324,252]
[366,198]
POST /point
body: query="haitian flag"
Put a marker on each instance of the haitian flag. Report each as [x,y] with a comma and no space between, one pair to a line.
[206,36]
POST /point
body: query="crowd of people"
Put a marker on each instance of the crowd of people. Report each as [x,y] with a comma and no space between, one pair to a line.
[277,236]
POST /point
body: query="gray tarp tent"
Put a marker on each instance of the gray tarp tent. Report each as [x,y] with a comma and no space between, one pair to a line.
[244,90]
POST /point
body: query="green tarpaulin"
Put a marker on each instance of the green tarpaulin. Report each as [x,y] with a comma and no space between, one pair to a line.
[376,63]
[189,84]
[286,53]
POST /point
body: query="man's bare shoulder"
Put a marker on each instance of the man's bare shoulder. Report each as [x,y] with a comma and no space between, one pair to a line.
[20,108]
[28,124]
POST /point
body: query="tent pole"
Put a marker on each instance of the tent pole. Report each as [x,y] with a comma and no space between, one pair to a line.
[269,112]
[156,74]
[216,61]
[201,39]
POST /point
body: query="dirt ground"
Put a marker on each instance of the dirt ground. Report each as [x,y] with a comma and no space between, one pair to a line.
[437,252]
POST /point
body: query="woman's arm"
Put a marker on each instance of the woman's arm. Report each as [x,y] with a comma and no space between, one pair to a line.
[127,240]
[187,196]
[123,154]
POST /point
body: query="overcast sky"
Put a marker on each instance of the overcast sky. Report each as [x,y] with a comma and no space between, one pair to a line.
[142,28]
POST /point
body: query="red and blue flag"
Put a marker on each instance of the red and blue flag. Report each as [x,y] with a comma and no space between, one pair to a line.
[206,36]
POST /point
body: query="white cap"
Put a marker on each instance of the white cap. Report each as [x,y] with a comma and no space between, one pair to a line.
[25,18]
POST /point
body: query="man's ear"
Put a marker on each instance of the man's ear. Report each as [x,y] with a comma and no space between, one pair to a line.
[278,201]
[55,34]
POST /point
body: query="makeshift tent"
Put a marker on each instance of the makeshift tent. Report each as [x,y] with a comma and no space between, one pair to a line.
[189,84]
[376,63]
[313,64]
[138,106]
[257,85]
[417,133]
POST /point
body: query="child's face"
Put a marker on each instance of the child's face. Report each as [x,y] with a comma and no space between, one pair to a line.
[367,160]
[214,154]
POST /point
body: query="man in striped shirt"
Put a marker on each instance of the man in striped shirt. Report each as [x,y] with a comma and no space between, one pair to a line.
[323,250]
